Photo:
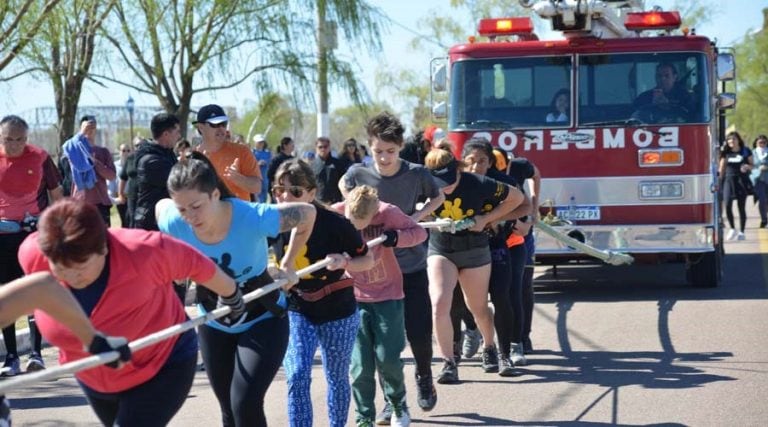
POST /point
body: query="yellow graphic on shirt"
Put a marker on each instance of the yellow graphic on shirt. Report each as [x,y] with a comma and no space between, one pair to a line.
[301,261]
[452,210]
[487,207]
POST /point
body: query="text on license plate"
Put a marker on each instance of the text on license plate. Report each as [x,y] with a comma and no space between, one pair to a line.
[579,213]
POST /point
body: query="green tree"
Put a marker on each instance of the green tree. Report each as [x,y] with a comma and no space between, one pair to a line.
[175,49]
[273,116]
[752,87]
[349,122]
[20,21]
[63,52]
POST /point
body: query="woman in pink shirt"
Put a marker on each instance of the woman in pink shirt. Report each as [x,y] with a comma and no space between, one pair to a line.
[123,280]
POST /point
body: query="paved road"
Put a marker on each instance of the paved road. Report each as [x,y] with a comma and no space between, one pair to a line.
[628,346]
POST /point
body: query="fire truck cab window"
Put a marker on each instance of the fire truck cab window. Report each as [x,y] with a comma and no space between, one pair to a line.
[504,93]
[642,88]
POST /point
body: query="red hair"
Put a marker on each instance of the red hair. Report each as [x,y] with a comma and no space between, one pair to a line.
[70,231]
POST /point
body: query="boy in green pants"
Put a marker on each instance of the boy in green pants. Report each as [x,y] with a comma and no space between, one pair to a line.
[379,293]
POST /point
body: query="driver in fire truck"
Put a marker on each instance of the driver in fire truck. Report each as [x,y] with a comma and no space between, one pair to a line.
[668,97]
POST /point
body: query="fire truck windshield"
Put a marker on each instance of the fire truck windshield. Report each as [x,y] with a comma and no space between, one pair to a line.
[612,90]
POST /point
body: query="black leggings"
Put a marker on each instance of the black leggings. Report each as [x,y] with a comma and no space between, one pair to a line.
[240,368]
[459,313]
[418,320]
[517,258]
[11,270]
[150,404]
[528,301]
[741,204]
[499,288]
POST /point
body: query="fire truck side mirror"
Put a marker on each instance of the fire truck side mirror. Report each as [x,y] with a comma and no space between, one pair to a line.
[726,101]
[440,110]
[440,78]
[726,67]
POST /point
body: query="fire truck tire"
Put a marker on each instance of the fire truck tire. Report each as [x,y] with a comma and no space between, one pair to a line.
[705,270]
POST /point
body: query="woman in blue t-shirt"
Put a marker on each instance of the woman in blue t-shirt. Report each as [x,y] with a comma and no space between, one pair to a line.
[242,357]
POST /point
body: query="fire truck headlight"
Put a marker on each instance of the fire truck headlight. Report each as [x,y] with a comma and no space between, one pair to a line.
[661,190]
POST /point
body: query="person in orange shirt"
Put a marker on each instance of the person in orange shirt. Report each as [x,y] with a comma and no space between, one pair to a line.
[234,163]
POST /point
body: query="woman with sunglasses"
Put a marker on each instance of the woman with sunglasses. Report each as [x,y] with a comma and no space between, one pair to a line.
[464,256]
[322,307]
[241,357]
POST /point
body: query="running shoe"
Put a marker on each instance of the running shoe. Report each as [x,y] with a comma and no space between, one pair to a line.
[731,234]
[35,363]
[449,374]
[472,339]
[740,236]
[11,367]
[400,415]
[516,354]
[506,368]
[427,396]
[490,359]
[364,423]
[385,415]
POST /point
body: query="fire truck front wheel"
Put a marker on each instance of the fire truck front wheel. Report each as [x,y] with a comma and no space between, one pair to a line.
[705,270]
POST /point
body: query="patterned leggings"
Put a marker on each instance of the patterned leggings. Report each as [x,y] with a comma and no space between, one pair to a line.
[336,339]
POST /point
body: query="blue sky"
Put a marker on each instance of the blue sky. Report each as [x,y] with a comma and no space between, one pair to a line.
[23,94]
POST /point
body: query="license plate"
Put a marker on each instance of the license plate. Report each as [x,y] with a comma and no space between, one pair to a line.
[579,213]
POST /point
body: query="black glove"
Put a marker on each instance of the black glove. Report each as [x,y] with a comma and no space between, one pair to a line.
[391,241]
[104,344]
[236,305]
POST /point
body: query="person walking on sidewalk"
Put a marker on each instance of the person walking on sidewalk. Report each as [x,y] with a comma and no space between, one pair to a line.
[379,293]
[735,165]
[28,179]
[760,177]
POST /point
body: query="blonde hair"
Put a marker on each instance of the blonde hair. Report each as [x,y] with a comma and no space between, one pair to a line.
[363,201]
[440,158]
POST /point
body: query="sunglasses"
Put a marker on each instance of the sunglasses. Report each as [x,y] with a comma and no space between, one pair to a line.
[218,125]
[125,151]
[322,147]
[295,190]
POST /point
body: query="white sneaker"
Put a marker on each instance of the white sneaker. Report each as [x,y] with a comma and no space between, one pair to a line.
[740,236]
[516,354]
[400,416]
[731,234]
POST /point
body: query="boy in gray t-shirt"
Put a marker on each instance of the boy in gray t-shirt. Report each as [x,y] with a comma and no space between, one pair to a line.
[404,184]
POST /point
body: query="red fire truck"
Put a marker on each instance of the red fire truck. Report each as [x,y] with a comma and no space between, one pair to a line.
[628,161]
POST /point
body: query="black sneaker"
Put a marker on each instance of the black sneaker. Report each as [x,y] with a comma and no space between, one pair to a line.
[490,359]
[384,417]
[506,368]
[449,374]
[427,396]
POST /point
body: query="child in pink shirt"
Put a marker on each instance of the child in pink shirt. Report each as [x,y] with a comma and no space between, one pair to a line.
[379,292]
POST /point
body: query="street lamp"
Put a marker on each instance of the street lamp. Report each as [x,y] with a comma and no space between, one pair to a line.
[129,104]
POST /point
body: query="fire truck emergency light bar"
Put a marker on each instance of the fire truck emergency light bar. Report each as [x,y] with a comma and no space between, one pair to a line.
[491,27]
[639,21]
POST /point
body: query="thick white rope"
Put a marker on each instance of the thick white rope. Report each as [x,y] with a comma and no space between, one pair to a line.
[154,338]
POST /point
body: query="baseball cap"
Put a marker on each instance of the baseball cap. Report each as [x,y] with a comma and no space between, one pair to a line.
[446,175]
[258,138]
[212,114]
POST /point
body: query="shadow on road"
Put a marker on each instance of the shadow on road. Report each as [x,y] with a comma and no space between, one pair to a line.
[743,279]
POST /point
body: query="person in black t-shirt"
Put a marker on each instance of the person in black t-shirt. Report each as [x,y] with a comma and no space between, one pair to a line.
[465,255]
[322,309]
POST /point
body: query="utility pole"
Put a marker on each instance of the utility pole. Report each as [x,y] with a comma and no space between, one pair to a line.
[326,41]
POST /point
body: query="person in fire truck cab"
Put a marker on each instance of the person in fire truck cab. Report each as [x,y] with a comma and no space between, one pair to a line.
[667,100]
[558,108]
